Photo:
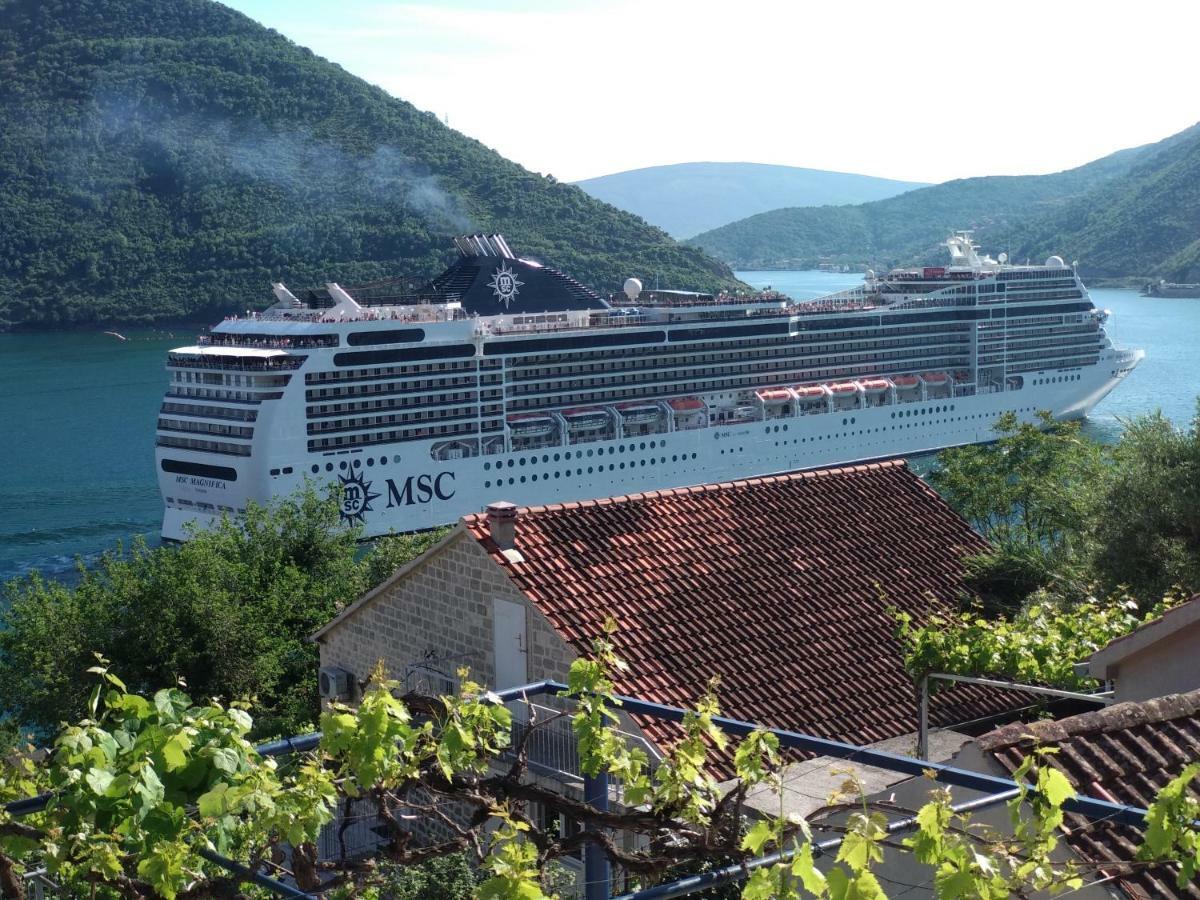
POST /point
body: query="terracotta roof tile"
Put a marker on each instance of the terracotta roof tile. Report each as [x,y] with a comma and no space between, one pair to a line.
[1124,753]
[774,584]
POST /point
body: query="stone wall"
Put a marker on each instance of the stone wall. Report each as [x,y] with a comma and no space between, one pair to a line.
[441,610]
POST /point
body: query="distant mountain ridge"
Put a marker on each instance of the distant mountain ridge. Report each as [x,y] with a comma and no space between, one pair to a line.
[1030,215]
[168,159]
[686,199]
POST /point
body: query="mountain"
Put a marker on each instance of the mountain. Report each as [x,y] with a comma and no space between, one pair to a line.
[689,198]
[167,159]
[910,227]
[1145,223]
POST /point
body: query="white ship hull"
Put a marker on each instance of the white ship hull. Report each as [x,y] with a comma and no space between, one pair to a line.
[402,488]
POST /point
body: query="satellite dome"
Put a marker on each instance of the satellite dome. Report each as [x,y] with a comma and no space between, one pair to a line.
[633,287]
[1003,258]
[1055,262]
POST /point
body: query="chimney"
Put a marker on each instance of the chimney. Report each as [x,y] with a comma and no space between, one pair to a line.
[502,524]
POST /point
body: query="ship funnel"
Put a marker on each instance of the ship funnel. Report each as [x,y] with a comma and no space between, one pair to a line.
[484,245]
[287,300]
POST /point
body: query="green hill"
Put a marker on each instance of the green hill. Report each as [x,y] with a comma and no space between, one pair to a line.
[166,159]
[1145,223]
[689,198]
[910,227]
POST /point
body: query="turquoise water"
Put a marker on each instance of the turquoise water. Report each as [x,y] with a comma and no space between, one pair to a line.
[77,416]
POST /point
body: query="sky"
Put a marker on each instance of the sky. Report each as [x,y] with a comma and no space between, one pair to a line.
[906,89]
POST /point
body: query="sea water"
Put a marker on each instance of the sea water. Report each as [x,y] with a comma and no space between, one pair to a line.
[78,412]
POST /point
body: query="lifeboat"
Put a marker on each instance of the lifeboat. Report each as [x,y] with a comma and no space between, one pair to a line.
[686,404]
[639,413]
[906,381]
[774,396]
[843,388]
[590,418]
[874,385]
[530,424]
[935,377]
[811,391]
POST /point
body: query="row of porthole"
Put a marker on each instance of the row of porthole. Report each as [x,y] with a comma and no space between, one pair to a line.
[591,470]
[822,437]
[344,464]
[1057,379]
[933,410]
[578,454]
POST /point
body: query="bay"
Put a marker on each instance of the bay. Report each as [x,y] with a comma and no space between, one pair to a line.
[78,411]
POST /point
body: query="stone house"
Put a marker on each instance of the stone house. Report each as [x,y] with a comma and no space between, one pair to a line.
[782,587]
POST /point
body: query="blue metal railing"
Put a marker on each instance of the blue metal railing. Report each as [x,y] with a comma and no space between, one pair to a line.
[996,787]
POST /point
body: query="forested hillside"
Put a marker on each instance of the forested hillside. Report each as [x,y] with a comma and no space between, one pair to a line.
[909,228]
[689,198]
[1145,224]
[166,159]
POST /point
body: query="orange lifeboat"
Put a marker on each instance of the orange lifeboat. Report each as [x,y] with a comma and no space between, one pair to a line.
[686,404]
[774,396]
[874,385]
[906,381]
[843,388]
[810,391]
[935,377]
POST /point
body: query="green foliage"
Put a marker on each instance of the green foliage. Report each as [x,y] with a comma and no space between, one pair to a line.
[142,785]
[229,613]
[126,780]
[1171,833]
[1145,523]
[446,878]
[1040,644]
[166,161]
[602,747]
[1030,494]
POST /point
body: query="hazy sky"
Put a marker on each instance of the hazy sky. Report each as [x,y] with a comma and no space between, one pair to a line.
[921,91]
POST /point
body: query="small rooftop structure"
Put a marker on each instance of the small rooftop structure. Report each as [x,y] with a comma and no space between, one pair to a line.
[1157,658]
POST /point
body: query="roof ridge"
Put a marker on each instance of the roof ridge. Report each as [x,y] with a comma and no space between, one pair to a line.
[1118,717]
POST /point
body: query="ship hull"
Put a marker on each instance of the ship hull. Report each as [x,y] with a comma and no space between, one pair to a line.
[407,490]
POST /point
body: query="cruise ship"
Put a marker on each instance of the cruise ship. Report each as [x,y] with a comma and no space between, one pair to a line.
[504,378]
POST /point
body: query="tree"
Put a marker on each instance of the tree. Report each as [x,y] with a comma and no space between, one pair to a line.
[229,613]
[1029,494]
[1145,519]
[147,789]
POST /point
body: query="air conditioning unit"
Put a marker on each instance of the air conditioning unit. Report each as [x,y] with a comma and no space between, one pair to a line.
[335,683]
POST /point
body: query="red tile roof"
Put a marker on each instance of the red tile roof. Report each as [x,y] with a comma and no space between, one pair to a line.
[1124,753]
[780,585]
